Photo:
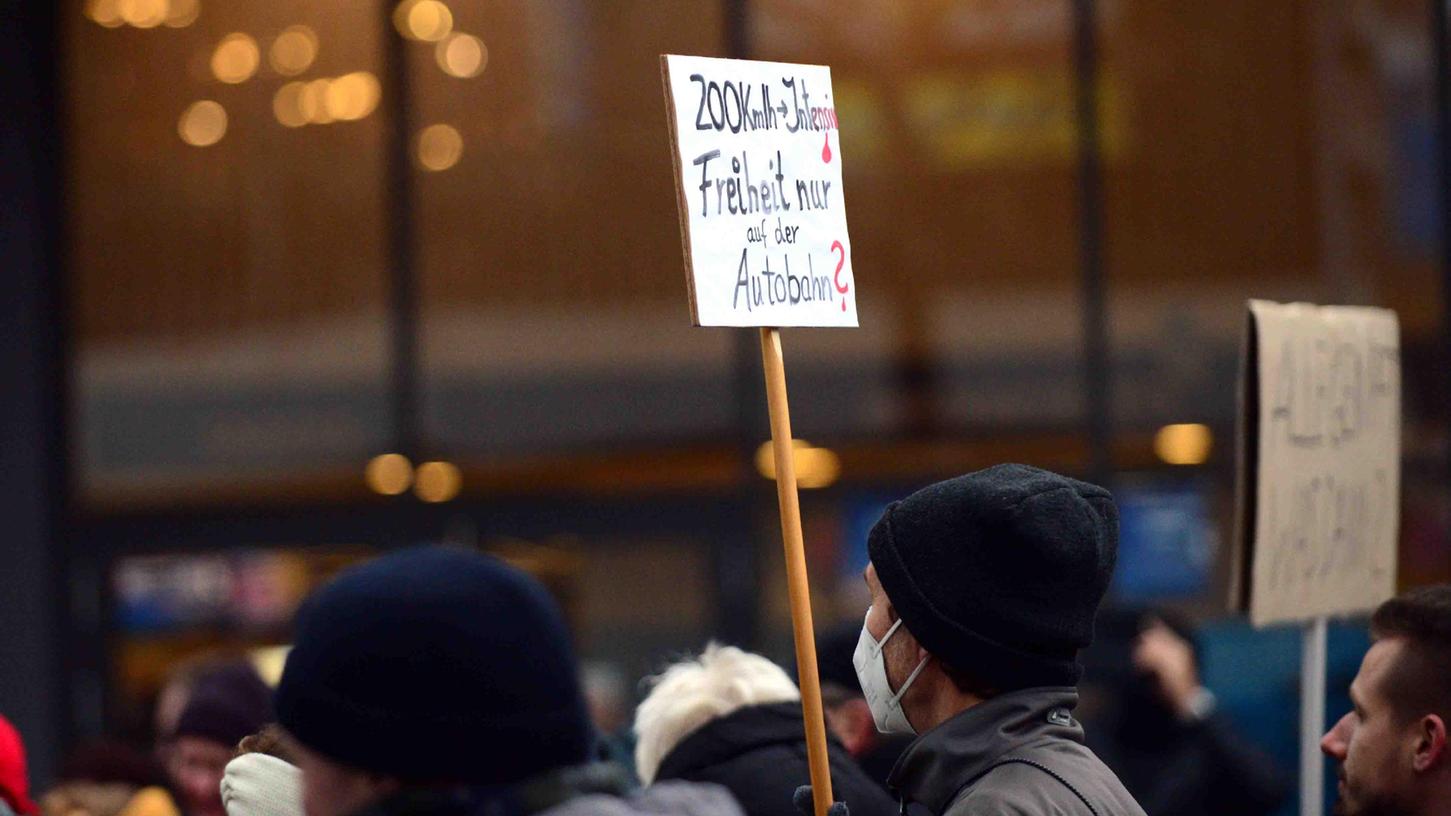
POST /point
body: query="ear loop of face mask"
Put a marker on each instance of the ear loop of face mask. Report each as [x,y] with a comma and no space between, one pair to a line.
[896,698]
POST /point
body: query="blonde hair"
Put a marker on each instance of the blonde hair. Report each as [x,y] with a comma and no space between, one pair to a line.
[691,693]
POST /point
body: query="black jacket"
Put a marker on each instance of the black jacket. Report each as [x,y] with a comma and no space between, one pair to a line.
[1020,753]
[1192,768]
[759,754]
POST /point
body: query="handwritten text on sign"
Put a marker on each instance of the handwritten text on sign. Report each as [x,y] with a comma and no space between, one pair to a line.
[758,172]
[1328,477]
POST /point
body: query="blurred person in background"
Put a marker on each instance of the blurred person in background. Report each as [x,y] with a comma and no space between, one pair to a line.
[1391,750]
[984,588]
[14,775]
[734,718]
[221,710]
[440,682]
[107,777]
[263,779]
[847,713]
[231,677]
[1167,740]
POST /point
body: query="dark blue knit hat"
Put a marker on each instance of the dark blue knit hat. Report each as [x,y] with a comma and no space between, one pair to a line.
[999,573]
[435,665]
[228,702]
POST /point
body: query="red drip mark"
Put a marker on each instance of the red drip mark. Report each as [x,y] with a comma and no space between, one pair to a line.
[840,262]
[826,149]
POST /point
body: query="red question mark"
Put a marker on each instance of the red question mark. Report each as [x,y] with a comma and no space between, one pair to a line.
[840,287]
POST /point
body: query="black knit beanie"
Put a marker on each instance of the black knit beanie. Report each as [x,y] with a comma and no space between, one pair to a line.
[999,573]
[436,665]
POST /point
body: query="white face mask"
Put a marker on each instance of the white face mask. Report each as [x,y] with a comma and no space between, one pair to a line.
[871,670]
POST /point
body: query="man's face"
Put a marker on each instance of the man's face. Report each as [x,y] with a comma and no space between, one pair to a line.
[901,653]
[1372,747]
[331,789]
[196,766]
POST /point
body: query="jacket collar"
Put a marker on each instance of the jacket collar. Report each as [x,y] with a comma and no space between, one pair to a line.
[941,762]
[743,730]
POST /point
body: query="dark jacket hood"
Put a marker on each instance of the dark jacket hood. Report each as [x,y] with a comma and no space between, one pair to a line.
[759,753]
[739,732]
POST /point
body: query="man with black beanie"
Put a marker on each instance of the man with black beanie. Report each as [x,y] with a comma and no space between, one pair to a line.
[984,588]
[441,682]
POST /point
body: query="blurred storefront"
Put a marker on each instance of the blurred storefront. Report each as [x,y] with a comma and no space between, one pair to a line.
[347,276]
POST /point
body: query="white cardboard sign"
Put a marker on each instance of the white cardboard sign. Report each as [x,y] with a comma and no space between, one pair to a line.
[1319,486]
[758,181]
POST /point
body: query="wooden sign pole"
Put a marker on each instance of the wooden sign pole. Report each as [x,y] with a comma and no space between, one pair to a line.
[797,586]
[758,256]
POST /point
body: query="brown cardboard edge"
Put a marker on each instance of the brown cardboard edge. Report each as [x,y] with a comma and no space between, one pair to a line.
[678,171]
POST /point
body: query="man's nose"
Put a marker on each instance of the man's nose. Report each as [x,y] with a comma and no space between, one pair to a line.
[1333,744]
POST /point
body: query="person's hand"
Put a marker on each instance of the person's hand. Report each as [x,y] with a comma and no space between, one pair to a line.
[804,801]
[1169,659]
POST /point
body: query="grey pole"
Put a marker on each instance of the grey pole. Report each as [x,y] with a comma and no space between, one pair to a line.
[1097,371]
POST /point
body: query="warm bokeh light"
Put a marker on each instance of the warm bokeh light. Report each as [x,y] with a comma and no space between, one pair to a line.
[183,13]
[437,481]
[293,51]
[815,467]
[287,105]
[389,474]
[236,58]
[461,55]
[352,96]
[439,147]
[1184,444]
[314,102]
[105,12]
[427,20]
[269,662]
[143,13]
[202,124]
[321,101]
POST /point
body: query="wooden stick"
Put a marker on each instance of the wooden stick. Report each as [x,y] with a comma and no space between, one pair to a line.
[799,590]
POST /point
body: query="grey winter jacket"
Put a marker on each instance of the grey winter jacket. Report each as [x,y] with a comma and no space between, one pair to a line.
[591,790]
[1020,753]
[673,798]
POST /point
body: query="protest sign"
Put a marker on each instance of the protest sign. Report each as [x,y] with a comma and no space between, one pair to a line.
[1319,487]
[758,177]
[763,225]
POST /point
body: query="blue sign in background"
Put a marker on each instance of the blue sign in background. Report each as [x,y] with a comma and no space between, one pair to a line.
[1167,542]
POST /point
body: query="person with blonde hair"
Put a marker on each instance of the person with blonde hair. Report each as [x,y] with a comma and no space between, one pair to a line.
[734,718]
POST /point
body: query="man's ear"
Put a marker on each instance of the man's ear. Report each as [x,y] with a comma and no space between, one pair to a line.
[1430,743]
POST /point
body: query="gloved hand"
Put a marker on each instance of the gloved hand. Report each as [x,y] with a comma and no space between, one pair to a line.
[804,802]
